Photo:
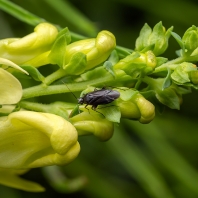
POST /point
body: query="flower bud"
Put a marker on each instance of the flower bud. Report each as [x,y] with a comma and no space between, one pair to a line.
[137,63]
[22,50]
[93,123]
[190,39]
[193,75]
[155,40]
[182,72]
[96,49]
[136,107]
[146,108]
[30,139]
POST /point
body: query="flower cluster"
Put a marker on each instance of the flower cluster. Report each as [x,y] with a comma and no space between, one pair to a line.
[33,134]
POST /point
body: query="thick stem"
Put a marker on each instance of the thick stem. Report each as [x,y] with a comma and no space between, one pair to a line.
[43,89]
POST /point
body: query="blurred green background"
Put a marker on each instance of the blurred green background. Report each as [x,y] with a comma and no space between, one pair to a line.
[141,161]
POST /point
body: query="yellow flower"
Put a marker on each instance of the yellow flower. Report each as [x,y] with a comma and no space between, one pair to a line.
[30,139]
[134,106]
[93,123]
[85,54]
[36,44]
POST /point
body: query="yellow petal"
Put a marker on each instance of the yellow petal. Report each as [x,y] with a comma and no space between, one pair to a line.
[22,50]
[10,177]
[87,123]
[11,64]
[31,139]
[10,89]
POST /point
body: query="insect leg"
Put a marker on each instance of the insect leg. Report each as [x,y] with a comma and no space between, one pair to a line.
[94,109]
[87,108]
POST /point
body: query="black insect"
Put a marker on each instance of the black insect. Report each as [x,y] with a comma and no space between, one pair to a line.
[99,97]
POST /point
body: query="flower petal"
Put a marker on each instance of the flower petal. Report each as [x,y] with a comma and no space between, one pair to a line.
[10,89]
[22,50]
[10,177]
[31,139]
[11,64]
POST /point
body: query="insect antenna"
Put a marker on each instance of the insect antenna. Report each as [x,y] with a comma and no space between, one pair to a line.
[74,97]
[70,91]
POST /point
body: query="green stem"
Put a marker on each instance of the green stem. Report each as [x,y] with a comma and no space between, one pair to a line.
[43,89]
[54,76]
[164,66]
[33,106]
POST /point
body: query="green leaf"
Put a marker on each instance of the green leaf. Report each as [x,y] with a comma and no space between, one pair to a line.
[113,58]
[57,54]
[74,16]
[157,35]
[147,48]
[123,52]
[169,98]
[34,73]
[135,69]
[109,67]
[179,40]
[93,74]
[76,65]
[75,111]
[65,32]
[142,40]
[167,81]
[127,94]
[20,13]
[195,52]
[111,112]
[161,60]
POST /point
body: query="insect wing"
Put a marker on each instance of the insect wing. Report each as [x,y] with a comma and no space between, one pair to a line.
[103,96]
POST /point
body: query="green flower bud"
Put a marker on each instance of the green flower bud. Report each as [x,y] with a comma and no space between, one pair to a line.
[30,139]
[155,40]
[11,178]
[190,39]
[137,63]
[182,72]
[93,123]
[134,106]
[129,110]
[36,44]
[147,109]
[96,49]
[193,75]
